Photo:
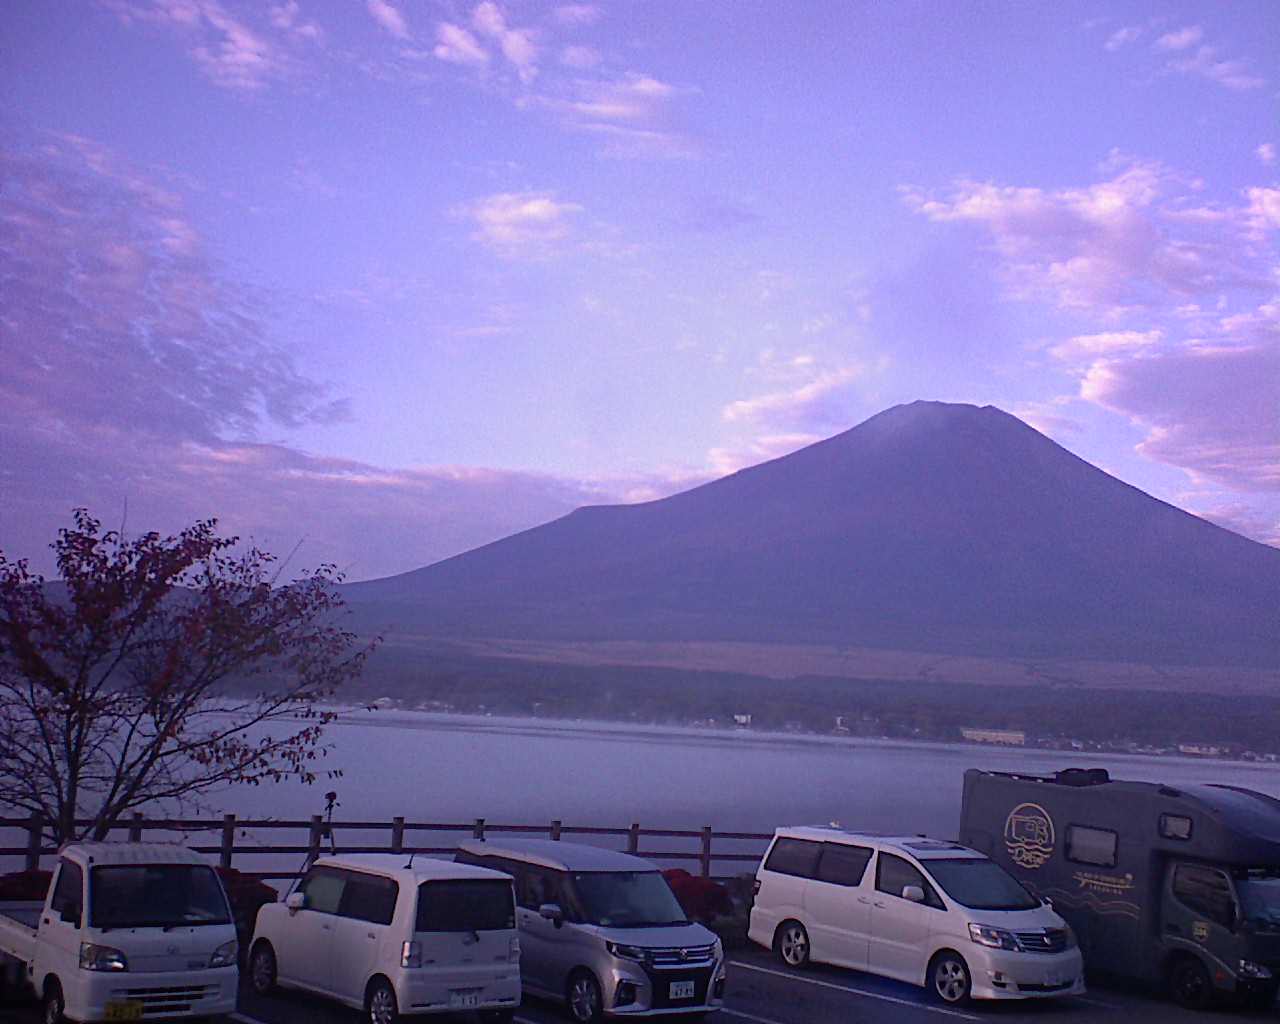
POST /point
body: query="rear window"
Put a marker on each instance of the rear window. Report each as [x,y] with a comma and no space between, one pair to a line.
[794,857]
[465,905]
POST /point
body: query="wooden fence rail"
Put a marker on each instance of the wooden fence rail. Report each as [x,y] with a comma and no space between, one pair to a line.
[233,840]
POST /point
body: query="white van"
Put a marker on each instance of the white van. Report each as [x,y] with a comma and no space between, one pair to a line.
[394,935]
[126,931]
[927,911]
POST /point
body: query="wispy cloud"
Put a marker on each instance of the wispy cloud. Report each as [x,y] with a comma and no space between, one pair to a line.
[1266,153]
[517,45]
[520,223]
[577,14]
[1233,74]
[1122,37]
[458,46]
[389,18]
[1181,39]
[818,404]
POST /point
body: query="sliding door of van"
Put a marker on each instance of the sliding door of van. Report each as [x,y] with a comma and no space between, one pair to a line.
[838,907]
[360,932]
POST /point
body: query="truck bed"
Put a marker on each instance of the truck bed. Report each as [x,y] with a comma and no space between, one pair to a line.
[18,921]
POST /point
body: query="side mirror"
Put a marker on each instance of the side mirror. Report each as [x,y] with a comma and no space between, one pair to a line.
[552,913]
[913,893]
[295,901]
[1045,901]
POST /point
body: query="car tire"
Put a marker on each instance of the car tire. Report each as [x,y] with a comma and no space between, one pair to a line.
[584,999]
[380,1004]
[791,943]
[54,1005]
[949,978]
[262,968]
[1189,983]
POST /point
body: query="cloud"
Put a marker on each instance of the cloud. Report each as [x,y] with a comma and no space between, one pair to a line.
[458,46]
[580,57]
[1241,518]
[1091,345]
[517,45]
[389,18]
[1181,39]
[1266,153]
[577,14]
[228,51]
[631,113]
[123,317]
[288,18]
[1211,409]
[1122,37]
[1233,74]
[820,403]
[760,449]
[520,223]
[1139,239]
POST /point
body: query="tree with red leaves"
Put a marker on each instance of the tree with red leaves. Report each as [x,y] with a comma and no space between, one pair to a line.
[156,670]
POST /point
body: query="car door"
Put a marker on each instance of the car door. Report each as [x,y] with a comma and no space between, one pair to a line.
[838,906]
[899,933]
[60,924]
[359,932]
[1202,909]
[542,943]
[306,939]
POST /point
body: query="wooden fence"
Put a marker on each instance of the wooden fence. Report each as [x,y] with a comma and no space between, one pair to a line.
[315,837]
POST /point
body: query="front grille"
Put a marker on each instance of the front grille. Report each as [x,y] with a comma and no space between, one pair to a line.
[674,958]
[167,1001]
[1050,940]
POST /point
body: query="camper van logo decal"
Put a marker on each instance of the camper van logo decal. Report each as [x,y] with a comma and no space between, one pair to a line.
[1104,884]
[1200,931]
[1028,835]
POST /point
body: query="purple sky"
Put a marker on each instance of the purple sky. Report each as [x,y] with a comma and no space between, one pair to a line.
[395,278]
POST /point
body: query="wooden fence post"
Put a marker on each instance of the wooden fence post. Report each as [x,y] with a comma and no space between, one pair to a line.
[313,841]
[706,851]
[135,828]
[555,829]
[633,838]
[477,831]
[35,832]
[397,834]
[228,840]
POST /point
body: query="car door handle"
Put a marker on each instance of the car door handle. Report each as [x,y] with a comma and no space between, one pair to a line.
[324,928]
[879,904]
[370,935]
[863,899]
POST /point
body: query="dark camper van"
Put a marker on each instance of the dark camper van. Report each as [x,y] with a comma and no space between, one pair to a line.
[1174,886]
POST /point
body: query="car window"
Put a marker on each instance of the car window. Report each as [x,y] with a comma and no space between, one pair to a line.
[794,857]
[1206,891]
[843,865]
[68,893]
[538,886]
[893,874]
[1096,846]
[323,889]
[369,898]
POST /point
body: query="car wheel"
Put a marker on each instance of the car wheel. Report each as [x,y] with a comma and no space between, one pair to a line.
[586,1005]
[792,943]
[262,968]
[949,977]
[1189,983]
[380,1004]
[54,1004]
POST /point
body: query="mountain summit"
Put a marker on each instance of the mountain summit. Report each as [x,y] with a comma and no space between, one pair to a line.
[928,527]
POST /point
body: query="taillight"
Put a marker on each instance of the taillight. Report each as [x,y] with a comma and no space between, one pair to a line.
[411,954]
[513,950]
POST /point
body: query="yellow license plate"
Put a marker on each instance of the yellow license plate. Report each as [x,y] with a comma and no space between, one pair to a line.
[128,1010]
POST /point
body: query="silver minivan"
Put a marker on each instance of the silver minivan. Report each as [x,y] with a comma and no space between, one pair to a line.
[602,932]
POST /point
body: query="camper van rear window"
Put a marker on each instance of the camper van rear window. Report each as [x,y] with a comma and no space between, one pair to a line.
[1095,846]
[1175,826]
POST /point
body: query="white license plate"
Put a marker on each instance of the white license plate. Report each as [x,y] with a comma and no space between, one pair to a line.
[681,990]
[130,1009]
[462,1000]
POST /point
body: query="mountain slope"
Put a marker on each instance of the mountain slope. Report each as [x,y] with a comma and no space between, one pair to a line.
[927,527]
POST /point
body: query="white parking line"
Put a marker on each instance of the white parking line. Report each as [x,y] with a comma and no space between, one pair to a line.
[747,1016]
[853,991]
[241,1018]
[1089,1000]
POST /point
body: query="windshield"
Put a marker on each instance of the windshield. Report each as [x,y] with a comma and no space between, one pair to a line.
[627,899]
[980,884]
[155,895]
[465,905]
[1259,893]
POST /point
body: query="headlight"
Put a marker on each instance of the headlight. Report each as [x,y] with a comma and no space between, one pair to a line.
[717,950]
[1248,969]
[224,955]
[996,938]
[101,958]
[625,952]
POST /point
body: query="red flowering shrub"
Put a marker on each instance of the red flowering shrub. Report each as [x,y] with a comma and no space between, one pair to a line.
[701,898]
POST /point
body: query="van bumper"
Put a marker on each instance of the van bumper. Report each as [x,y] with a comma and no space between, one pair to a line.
[420,990]
[1005,974]
[165,994]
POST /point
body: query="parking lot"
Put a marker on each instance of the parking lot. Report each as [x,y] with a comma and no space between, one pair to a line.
[762,991]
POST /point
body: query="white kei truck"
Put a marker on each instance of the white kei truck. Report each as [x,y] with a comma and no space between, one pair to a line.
[127,931]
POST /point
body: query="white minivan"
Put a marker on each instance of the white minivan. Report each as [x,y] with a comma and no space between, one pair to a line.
[922,910]
[394,936]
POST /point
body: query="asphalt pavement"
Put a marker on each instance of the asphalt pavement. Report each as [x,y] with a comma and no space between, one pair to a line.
[762,990]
